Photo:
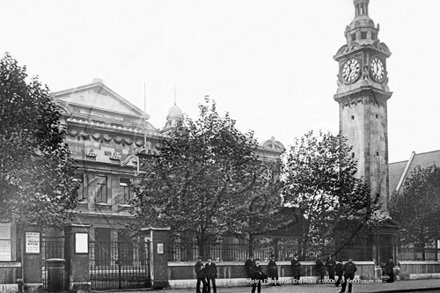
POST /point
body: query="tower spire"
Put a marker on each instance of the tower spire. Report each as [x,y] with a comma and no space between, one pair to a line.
[361,7]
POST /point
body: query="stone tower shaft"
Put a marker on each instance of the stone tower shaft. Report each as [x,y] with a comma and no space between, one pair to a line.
[362,95]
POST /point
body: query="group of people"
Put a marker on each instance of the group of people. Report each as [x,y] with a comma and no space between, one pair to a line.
[206,275]
[256,274]
[344,272]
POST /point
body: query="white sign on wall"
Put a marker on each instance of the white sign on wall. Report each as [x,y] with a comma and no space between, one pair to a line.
[5,231]
[81,243]
[32,242]
[5,242]
[5,250]
[159,248]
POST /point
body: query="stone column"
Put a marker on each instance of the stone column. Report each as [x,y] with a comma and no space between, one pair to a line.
[31,258]
[158,255]
[77,256]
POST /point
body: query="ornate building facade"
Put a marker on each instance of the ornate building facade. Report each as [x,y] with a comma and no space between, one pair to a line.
[105,132]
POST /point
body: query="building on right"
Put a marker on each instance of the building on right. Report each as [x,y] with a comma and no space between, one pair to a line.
[401,171]
[362,95]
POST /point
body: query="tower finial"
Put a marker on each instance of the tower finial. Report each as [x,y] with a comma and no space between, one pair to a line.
[361,7]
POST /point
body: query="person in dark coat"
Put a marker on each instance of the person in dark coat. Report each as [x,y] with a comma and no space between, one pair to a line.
[339,270]
[273,271]
[349,271]
[320,270]
[296,269]
[248,265]
[257,276]
[211,274]
[200,274]
[389,270]
[331,266]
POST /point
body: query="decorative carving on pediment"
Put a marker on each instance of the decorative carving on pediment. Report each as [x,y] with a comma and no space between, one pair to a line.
[106,137]
[117,139]
[96,136]
[342,50]
[91,155]
[132,157]
[72,132]
[115,158]
[384,48]
[128,141]
[139,142]
[85,135]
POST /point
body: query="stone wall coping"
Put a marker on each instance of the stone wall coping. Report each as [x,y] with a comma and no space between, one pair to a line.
[418,262]
[10,264]
[241,263]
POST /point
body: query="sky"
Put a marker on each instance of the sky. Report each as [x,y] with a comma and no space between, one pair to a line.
[268,63]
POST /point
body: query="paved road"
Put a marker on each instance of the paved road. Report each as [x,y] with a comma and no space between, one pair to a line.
[430,285]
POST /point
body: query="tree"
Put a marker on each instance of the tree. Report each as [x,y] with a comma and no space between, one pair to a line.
[205,181]
[320,179]
[35,167]
[417,207]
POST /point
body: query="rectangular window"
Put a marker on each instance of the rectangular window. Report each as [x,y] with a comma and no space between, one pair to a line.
[126,250]
[352,117]
[101,189]
[80,191]
[103,247]
[125,185]
[363,35]
[353,37]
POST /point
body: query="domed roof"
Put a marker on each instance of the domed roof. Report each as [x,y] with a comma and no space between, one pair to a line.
[175,113]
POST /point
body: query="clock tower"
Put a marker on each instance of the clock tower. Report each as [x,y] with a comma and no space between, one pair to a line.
[362,95]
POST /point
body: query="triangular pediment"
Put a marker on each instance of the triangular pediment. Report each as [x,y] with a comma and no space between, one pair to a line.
[100,97]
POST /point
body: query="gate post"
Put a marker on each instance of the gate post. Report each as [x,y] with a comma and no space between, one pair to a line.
[157,255]
[31,258]
[77,257]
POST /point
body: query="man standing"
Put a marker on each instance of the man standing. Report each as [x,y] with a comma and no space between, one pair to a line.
[273,271]
[339,272]
[257,276]
[320,270]
[349,270]
[389,269]
[296,268]
[211,274]
[248,265]
[200,274]
[331,265]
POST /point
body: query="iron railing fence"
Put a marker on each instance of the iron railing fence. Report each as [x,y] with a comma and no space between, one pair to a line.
[240,252]
[412,253]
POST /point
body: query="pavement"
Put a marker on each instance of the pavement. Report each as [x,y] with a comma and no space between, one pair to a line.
[427,285]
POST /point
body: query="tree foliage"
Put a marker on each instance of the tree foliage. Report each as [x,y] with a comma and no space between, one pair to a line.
[320,179]
[207,181]
[35,167]
[417,207]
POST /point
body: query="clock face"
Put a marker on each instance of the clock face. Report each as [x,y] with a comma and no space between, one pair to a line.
[350,70]
[377,69]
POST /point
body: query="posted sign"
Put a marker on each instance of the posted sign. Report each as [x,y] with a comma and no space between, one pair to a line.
[32,242]
[5,242]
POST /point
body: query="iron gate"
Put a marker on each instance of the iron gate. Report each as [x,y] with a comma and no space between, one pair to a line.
[119,265]
[52,247]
